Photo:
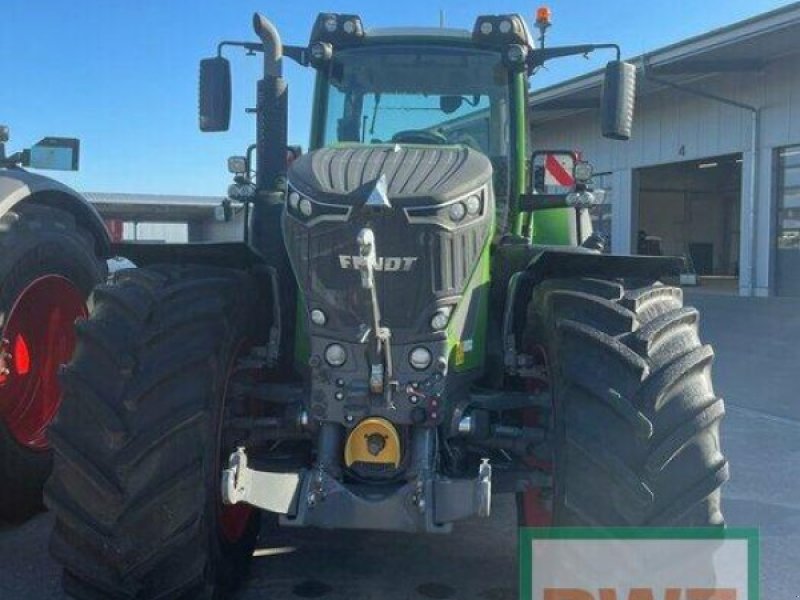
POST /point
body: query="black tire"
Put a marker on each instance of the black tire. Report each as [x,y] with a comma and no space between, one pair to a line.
[135,487]
[635,418]
[35,241]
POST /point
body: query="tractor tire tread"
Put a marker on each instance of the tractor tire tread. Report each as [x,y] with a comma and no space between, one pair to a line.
[635,408]
[149,458]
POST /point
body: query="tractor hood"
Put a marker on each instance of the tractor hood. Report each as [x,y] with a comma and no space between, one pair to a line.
[426,249]
[414,174]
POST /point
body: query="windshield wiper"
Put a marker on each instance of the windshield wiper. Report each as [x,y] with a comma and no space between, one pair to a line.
[374,114]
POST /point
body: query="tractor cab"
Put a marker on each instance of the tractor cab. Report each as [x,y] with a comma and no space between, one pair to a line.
[416,88]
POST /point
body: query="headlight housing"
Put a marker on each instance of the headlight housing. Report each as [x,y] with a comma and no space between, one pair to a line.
[453,213]
[310,211]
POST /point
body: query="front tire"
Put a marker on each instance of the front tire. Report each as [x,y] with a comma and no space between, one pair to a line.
[139,441]
[48,267]
[635,420]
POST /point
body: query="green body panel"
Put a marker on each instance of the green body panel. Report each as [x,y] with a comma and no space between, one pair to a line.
[519,124]
[466,350]
[554,227]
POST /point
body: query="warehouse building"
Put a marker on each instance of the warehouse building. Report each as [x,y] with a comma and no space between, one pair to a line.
[712,171]
[164,218]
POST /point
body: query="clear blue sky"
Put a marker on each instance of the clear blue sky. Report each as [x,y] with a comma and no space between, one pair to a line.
[122,74]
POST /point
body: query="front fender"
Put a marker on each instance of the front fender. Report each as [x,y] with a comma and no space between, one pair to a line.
[550,262]
[18,185]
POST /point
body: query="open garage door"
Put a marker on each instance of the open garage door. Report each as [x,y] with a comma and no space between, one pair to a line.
[692,209]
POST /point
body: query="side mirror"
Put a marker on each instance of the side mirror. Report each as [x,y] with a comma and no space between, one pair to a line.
[450,104]
[53,153]
[215,94]
[619,93]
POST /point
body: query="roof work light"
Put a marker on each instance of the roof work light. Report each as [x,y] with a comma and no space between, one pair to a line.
[336,29]
[501,30]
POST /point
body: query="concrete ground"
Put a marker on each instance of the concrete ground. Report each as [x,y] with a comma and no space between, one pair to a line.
[757,372]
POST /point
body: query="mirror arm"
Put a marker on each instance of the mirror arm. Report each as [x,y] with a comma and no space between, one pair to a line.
[249,157]
[538,57]
[251,47]
[298,54]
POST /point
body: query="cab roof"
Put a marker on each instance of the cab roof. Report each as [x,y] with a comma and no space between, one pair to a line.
[435,32]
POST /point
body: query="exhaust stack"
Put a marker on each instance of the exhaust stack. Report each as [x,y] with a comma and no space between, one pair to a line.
[272,111]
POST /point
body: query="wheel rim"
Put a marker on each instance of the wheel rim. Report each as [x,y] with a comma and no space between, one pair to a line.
[533,508]
[37,338]
[233,521]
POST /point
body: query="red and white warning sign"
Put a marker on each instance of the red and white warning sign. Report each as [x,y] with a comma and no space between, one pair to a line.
[558,170]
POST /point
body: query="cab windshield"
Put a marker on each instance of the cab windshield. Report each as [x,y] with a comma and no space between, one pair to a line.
[418,94]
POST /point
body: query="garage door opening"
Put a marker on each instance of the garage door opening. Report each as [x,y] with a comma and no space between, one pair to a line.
[692,209]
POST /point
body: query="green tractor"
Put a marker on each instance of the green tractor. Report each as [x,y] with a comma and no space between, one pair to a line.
[408,330]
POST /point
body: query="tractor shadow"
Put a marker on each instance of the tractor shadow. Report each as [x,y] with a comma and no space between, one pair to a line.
[478,560]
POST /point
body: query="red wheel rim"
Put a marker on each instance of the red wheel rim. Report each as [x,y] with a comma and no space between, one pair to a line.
[532,508]
[37,338]
[232,519]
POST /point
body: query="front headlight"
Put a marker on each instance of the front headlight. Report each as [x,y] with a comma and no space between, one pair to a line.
[318,317]
[473,205]
[457,211]
[305,207]
[441,318]
[310,211]
[335,355]
[420,358]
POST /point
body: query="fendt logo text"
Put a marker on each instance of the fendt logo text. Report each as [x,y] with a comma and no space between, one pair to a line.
[388,263]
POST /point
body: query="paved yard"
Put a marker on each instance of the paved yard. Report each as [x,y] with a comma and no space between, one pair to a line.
[757,370]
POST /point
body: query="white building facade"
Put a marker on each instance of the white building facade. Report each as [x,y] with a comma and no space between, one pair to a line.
[727,100]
